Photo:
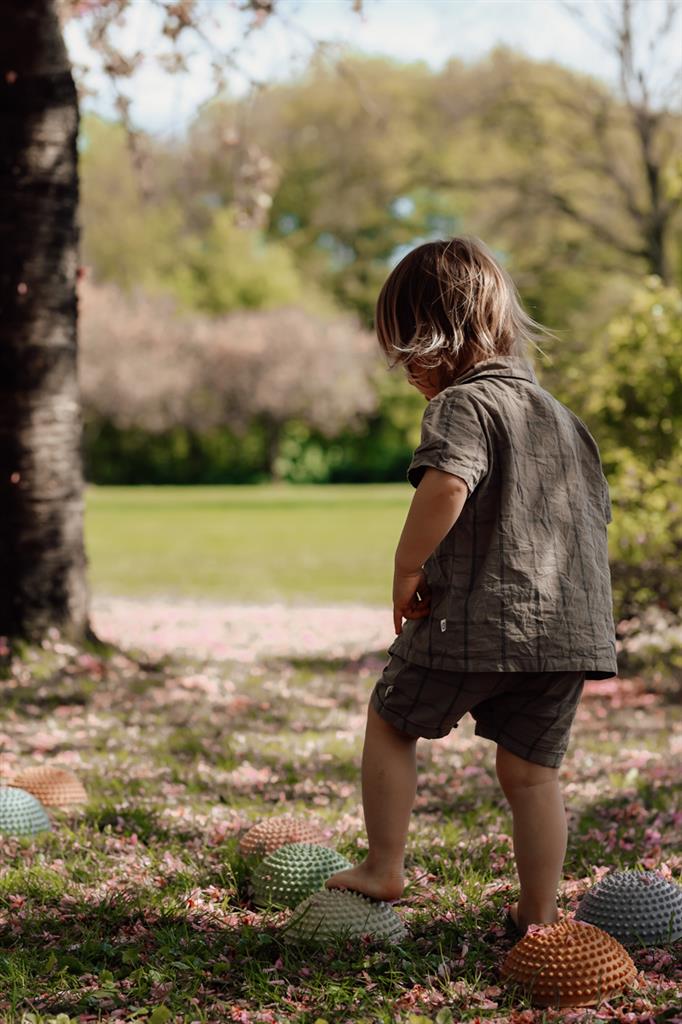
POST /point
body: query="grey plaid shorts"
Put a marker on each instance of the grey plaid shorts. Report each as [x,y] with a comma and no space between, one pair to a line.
[527,713]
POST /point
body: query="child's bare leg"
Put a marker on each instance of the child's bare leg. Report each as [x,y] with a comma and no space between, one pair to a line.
[389,786]
[540,834]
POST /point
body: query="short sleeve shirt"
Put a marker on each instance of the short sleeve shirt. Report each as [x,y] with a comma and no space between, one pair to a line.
[521,582]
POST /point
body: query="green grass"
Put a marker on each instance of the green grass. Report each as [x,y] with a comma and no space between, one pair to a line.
[140,902]
[246,544]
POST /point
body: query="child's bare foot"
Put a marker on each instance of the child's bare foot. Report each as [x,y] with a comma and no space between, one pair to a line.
[514,929]
[380,885]
[520,921]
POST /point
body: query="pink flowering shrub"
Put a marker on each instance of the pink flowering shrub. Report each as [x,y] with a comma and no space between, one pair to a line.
[145,364]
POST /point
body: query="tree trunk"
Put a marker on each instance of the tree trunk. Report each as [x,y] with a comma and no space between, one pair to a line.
[43,580]
[658,223]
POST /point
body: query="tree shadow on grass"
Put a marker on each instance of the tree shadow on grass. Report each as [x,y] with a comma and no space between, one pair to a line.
[328,664]
[113,939]
[143,822]
[111,953]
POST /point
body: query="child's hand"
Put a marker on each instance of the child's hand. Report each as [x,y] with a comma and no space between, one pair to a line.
[411,597]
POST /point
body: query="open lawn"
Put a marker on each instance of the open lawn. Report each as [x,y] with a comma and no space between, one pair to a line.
[262,543]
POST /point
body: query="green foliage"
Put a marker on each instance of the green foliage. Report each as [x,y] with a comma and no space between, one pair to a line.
[305,458]
[382,451]
[229,267]
[116,455]
[378,451]
[645,537]
[368,157]
[38,1018]
[527,154]
[152,239]
[160,1015]
[636,388]
[631,394]
[125,239]
[348,141]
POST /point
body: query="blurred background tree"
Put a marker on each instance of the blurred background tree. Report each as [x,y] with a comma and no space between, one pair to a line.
[242,259]
[575,186]
[634,404]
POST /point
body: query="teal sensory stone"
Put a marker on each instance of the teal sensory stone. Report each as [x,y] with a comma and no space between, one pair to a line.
[289,874]
[21,813]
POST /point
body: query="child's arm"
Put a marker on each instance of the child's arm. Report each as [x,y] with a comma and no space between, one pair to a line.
[435,508]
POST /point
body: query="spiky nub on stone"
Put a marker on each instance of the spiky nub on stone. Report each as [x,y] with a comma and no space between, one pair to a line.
[332,915]
[268,835]
[635,907]
[570,963]
[295,871]
[21,813]
[52,785]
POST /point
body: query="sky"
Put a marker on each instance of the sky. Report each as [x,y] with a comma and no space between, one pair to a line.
[429,30]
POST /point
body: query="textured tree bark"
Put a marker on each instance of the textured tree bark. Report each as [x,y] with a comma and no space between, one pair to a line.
[43,579]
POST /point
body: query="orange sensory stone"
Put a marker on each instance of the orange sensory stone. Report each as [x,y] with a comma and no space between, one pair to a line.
[53,786]
[271,833]
[569,964]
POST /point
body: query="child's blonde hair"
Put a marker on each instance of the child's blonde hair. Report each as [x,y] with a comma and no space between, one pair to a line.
[448,305]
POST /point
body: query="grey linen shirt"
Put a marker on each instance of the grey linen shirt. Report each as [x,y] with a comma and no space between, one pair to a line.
[521,583]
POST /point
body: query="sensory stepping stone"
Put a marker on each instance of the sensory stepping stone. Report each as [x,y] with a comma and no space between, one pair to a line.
[268,835]
[53,786]
[21,813]
[293,872]
[336,914]
[570,963]
[635,907]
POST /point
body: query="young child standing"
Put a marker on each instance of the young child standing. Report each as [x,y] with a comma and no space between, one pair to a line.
[501,570]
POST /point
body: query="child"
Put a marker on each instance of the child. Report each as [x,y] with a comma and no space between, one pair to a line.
[501,570]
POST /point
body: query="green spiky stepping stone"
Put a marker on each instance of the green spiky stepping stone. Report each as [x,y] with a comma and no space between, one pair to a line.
[635,907]
[333,914]
[295,871]
[21,813]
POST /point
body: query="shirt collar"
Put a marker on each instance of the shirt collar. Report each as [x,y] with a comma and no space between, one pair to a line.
[499,366]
